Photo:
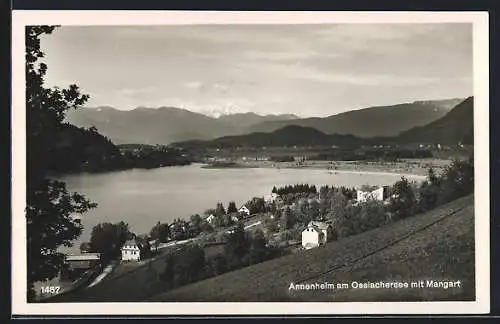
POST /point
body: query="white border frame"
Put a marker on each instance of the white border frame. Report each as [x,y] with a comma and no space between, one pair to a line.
[21,18]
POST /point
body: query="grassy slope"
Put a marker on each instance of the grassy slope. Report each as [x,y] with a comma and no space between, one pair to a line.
[441,251]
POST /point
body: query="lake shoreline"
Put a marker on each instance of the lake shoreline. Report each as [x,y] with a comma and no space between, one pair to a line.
[417,168]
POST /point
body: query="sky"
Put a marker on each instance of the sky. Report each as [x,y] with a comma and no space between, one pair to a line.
[307,70]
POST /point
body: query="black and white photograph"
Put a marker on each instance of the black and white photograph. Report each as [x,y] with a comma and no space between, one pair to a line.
[250,162]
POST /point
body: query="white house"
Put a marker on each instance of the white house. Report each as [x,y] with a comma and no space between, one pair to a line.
[315,234]
[234,218]
[381,194]
[244,210]
[131,251]
[210,219]
[271,198]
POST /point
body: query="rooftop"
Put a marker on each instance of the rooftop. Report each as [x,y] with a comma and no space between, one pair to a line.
[130,242]
[319,225]
[84,257]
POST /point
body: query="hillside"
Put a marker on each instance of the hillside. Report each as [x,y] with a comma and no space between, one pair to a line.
[246,120]
[438,245]
[163,125]
[456,126]
[287,136]
[78,149]
[372,121]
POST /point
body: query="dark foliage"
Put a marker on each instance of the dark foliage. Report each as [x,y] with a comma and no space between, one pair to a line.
[231,208]
[256,205]
[50,206]
[160,232]
[361,218]
[108,238]
[297,188]
[403,203]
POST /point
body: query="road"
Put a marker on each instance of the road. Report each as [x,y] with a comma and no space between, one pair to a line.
[168,244]
[108,270]
[252,225]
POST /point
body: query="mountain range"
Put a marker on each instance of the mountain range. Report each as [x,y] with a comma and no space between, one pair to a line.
[166,125]
[454,127]
[163,125]
[372,121]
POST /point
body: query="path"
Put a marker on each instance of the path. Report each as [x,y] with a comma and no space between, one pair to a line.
[103,275]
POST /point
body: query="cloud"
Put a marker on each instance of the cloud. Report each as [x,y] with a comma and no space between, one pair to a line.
[193,84]
[137,91]
[270,68]
[206,87]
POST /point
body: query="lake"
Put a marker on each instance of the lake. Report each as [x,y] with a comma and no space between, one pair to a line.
[141,198]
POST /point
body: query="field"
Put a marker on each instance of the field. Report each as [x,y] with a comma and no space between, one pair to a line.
[405,166]
[436,245]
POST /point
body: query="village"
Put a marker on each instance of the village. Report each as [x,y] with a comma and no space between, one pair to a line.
[291,218]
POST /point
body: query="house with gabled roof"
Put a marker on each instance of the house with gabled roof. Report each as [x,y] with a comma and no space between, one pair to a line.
[244,210]
[316,234]
[131,251]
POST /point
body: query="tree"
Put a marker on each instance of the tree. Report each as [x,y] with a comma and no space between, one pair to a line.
[258,249]
[196,221]
[338,205]
[219,210]
[189,265]
[287,219]
[361,217]
[50,206]
[313,210]
[107,239]
[227,220]
[275,191]
[457,180]
[256,205]
[236,247]
[429,191]
[178,230]
[231,208]
[209,212]
[206,227]
[270,224]
[324,207]
[404,202]
[144,246]
[218,221]
[160,232]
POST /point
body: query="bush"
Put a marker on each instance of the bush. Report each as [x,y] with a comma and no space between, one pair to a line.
[429,192]
[457,180]
[404,202]
[185,266]
[361,217]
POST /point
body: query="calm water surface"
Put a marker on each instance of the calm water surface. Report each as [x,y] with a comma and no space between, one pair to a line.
[143,197]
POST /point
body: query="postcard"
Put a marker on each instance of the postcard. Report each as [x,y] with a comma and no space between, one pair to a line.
[250,163]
